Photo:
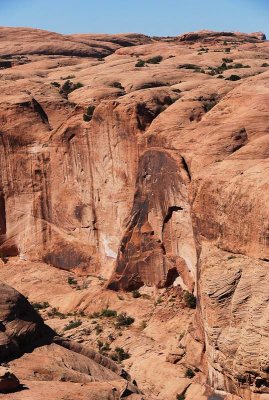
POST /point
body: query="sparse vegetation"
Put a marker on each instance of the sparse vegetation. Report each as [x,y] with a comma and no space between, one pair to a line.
[140,63]
[117,85]
[227,60]
[72,325]
[265,65]
[98,329]
[89,113]
[189,373]
[40,306]
[208,105]
[136,294]
[191,66]
[69,87]
[68,77]
[233,78]
[181,396]
[103,347]
[54,312]
[224,67]
[158,301]
[150,85]
[95,314]
[71,281]
[143,325]
[124,320]
[155,60]
[189,299]
[106,312]
[56,84]
[120,354]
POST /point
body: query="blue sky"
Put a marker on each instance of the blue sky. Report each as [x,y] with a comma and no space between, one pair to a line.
[153,17]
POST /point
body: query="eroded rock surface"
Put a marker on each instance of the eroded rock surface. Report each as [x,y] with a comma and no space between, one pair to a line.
[141,162]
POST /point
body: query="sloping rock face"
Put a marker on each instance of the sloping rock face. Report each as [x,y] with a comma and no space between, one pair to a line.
[34,353]
[21,326]
[154,171]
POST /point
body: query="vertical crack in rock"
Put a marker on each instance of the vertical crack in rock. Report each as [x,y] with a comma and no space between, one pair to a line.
[40,111]
[185,165]
[169,214]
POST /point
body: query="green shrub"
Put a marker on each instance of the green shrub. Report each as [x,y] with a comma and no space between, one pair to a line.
[124,320]
[208,105]
[227,60]
[136,294]
[120,354]
[140,63]
[56,84]
[98,329]
[265,65]
[54,312]
[71,281]
[189,373]
[106,312]
[117,85]
[72,325]
[40,306]
[89,113]
[189,299]
[103,347]
[149,85]
[68,77]
[95,314]
[189,66]
[69,87]
[155,60]
[181,396]
[233,78]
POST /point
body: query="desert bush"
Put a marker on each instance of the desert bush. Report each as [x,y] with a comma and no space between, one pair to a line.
[265,65]
[40,306]
[95,314]
[189,66]
[106,312]
[233,78]
[155,60]
[189,299]
[124,320]
[56,84]
[98,329]
[140,63]
[54,312]
[208,105]
[68,77]
[89,113]
[71,281]
[69,87]
[120,354]
[189,373]
[72,325]
[136,294]
[117,85]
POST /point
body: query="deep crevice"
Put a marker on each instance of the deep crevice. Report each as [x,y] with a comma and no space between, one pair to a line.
[39,109]
[170,213]
[185,165]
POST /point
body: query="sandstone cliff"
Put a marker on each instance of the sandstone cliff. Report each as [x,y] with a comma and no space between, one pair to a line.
[144,161]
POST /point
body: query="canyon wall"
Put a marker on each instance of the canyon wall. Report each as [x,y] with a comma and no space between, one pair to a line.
[147,175]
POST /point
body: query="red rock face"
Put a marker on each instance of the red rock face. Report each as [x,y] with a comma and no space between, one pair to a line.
[152,174]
